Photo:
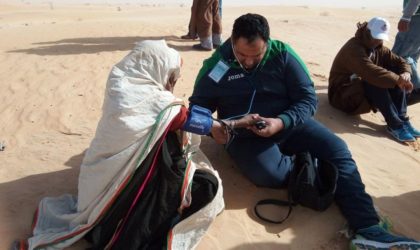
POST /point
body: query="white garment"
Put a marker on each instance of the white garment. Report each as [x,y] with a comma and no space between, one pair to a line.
[135,95]
[136,111]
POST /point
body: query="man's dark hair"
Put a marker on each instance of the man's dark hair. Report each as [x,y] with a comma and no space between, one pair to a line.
[251,27]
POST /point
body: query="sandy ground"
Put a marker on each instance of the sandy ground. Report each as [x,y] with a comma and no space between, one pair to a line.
[54,62]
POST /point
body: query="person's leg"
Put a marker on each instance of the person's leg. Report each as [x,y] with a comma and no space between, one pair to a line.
[220,9]
[392,104]
[261,161]
[204,24]
[401,45]
[399,99]
[381,99]
[414,96]
[192,28]
[351,197]
[407,45]
[415,78]
[217,24]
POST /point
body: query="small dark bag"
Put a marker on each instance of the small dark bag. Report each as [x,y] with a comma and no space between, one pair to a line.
[312,183]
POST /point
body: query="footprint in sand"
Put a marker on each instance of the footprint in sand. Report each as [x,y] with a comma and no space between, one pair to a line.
[320,76]
[313,63]
[324,13]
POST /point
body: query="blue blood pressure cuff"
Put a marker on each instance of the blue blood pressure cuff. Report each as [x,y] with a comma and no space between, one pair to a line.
[199,121]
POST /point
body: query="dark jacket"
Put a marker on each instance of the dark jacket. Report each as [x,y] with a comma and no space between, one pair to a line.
[356,62]
[281,83]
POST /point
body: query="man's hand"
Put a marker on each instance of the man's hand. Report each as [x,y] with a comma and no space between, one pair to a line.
[219,133]
[273,126]
[406,76]
[404,82]
[403,25]
[244,122]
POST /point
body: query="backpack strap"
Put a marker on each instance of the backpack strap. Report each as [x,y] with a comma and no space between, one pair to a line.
[273,202]
[290,190]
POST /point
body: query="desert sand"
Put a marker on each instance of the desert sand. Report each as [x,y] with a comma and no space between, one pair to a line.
[54,62]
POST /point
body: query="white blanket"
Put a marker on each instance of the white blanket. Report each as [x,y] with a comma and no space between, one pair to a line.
[136,111]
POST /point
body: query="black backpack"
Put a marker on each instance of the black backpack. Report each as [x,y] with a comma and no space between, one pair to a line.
[312,183]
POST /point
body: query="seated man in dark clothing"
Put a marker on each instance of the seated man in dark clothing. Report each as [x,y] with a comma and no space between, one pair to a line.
[366,75]
[253,75]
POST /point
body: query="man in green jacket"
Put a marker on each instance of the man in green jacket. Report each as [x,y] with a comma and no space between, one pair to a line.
[365,76]
[254,75]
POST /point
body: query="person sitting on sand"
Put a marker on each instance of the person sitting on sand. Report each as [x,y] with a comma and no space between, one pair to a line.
[366,75]
[253,74]
[136,180]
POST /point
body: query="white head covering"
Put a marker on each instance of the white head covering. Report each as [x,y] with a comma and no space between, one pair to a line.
[135,96]
[150,62]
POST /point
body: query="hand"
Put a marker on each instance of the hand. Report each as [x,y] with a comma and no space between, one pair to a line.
[273,126]
[403,25]
[219,133]
[243,122]
[170,85]
[409,87]
[404,82]
[406,76]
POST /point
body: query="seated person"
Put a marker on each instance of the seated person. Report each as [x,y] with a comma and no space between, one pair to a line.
[253,74]
[133,136]
[366,75]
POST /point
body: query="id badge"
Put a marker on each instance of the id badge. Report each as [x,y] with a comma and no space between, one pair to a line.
[218,71]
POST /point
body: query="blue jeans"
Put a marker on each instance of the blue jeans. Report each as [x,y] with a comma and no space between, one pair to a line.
[407,45]
[220,8]
[392,103]
[267,162]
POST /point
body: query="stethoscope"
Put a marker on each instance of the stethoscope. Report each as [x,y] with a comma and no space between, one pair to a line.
[249,76]
[249,79]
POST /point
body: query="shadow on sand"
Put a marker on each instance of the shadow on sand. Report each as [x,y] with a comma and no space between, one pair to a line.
[89,45]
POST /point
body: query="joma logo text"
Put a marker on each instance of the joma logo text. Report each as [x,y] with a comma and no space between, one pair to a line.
[234,77]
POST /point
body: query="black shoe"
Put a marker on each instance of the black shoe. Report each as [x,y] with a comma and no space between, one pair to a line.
[200,48]
[189,37]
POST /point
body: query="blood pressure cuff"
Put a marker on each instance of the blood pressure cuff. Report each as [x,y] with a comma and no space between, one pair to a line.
[199,121]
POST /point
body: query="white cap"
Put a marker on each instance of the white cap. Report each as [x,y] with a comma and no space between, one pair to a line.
[379,28]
